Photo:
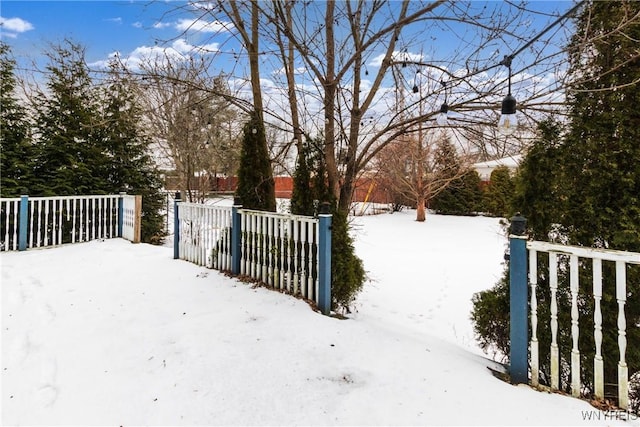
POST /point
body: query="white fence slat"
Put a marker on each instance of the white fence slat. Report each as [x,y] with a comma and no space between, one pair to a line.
[290,254]
[575,331]
[303,254]
[623,370]
[598,363]
[46,223]
[269,248]
[60,226]
[31,217]
[553,284]
[15,224]
[534,345]
[310,281]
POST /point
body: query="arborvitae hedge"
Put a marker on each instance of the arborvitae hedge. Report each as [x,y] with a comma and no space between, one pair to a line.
[256,187]
[463,196]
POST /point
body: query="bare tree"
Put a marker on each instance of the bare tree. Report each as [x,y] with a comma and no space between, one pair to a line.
[192,121]
[338,57]
[416,168]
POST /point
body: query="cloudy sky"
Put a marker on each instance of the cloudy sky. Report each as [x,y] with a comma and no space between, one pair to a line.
[131,28]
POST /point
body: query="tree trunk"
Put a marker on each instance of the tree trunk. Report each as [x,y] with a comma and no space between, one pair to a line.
[421,212]
[330,104]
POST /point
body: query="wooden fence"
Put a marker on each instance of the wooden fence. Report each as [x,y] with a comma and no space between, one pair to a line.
[35,222]
[290,253]
[567,261]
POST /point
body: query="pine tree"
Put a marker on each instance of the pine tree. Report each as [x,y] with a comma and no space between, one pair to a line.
[498,194]
[601,160]
[463,196]
[302,195]
[602,148]
[68,151]
[537,183]
[16,150]
[256,187]
[130,167]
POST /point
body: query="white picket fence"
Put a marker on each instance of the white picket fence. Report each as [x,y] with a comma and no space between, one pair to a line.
[9,211]
[53,221]
[205,235]
[556,255]
[278,250]
[281,251]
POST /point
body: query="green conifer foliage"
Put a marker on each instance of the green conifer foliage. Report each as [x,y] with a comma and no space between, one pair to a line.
[256,187]
[463,196]
[498,194]
[310,183]
[69,155]
[537,183]
[16,150]
[583,188]
[347,270]
[303,193]
[601,161]
[129,167]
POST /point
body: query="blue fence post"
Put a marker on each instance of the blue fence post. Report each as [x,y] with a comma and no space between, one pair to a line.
[324,259]
[518,290]
[23,220]
[121,213]
[176,226]
[236,241]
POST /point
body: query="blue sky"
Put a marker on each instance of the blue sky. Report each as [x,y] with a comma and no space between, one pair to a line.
[146,28]
[104,27]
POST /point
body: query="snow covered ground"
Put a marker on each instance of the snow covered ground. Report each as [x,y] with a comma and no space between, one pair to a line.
[111,333]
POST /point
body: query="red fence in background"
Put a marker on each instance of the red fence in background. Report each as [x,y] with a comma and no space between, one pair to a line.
[365,189]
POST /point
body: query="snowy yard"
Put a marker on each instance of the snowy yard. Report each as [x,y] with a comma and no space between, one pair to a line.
[111,333]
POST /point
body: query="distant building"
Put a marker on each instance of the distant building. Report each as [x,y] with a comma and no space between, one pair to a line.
[484,169]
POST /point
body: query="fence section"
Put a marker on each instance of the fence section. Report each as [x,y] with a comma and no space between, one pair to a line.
[35,222]
[281,251]
[559,262]
[287,252]
[203,235]
[9,212]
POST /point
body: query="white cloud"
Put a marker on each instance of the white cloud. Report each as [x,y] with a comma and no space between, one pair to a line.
[117,20]
[161,25]
[137,24]
[16,25]
[202,25]
[397,56]
[180,50]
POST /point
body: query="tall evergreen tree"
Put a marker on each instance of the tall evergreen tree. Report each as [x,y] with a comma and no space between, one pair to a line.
[68,149]
[130,168]
[256,187]
[463,196]
[601,159]
[602,151]
[538,183]
[16,150]
[586,189]
[302,195]
[498,194]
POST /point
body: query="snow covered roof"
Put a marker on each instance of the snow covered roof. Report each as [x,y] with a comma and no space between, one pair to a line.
[484,169]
